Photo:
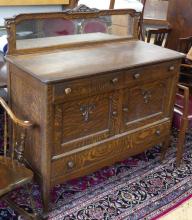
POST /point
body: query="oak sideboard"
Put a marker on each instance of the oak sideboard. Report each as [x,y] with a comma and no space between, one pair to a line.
[92,104]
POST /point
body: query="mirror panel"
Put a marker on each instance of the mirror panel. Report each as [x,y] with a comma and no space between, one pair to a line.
[37,33]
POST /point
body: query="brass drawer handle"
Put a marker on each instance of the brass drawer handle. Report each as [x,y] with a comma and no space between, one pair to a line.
[70,164]
[115,80]
[158,132]
[136,76]
[171,68]
[68,91]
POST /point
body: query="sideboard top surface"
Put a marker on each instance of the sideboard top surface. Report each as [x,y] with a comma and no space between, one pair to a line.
[84,61]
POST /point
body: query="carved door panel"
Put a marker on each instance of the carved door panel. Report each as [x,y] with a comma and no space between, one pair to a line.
[146,103]
[83,122]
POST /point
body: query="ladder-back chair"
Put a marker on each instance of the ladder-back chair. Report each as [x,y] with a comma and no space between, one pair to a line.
[185,44]
[159,36]
[13,172]
[182,118]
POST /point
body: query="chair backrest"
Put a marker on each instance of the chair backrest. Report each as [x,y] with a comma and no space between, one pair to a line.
[182,100]
[58,27]
[185,44]
[159,36]
[15,135]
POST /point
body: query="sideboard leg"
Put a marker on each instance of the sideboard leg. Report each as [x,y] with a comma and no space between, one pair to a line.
[164,148]
[46,199]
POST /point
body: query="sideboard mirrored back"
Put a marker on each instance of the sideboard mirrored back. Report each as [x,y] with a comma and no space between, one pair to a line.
[81,25]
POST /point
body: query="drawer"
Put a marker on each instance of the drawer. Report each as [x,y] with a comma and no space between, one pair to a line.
[83,161]
[151,135]
[151,73]
[85,87]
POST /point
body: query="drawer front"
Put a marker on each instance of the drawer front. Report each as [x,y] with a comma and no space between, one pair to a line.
[82,122]
[151,73]
[85,87]
[91,159]
[108,152]
[147,103]
[150,135]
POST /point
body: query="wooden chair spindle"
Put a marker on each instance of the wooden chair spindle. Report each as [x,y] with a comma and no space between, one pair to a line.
[5,134]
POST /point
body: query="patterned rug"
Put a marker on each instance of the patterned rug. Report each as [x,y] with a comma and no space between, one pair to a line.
[140,187]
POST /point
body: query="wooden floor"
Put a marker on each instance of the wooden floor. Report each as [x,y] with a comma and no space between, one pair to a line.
[183,212]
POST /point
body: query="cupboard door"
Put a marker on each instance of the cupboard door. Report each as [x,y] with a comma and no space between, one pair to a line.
[83,122]
[146,103]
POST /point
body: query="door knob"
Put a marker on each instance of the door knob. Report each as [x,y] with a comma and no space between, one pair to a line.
[70,164]
[171,68]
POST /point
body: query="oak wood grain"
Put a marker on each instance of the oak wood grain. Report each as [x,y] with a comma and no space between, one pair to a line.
[13,175]
[58,65]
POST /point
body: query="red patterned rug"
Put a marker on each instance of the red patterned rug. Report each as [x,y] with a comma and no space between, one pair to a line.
[140,187]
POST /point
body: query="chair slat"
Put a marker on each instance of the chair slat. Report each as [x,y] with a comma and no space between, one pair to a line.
[13,143]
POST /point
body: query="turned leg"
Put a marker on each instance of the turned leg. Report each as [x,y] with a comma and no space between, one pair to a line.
[181,141]
[166,144]
[45,188]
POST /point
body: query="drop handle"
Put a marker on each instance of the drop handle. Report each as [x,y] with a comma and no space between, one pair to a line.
[171,68]
[136,75]
[68,91]
[158,132]
[70,164]
[115,80]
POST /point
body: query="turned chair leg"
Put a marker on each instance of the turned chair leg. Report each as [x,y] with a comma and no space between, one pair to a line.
[181,141]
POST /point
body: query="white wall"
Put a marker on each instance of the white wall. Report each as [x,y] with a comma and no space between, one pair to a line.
[11,11]
[119,4]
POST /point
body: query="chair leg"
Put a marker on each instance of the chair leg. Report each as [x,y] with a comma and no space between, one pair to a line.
[181,141]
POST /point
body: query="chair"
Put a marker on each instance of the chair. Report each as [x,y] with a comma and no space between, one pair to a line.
[58,27]
[186,67]
[182,118]
[159,35]
[13,173]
